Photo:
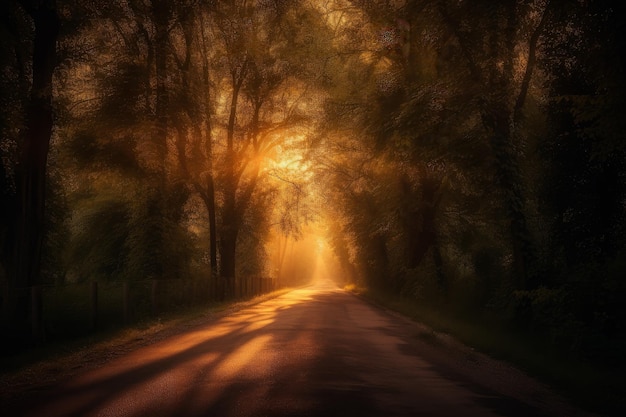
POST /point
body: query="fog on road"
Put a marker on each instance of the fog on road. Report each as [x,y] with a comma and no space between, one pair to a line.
[316,351]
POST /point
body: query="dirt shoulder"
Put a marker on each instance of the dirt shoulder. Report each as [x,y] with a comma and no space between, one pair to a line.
[63,363]
[463,362]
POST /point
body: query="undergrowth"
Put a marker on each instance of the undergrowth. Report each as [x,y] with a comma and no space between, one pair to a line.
[588,385]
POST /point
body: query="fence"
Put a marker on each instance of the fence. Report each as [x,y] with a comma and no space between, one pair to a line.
[68,310]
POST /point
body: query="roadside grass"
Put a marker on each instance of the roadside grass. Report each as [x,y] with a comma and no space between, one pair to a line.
[588,386]
[43,364]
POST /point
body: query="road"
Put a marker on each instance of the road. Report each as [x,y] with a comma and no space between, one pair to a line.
[316,351]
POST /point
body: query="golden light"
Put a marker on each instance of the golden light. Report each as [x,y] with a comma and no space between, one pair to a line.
[287,158]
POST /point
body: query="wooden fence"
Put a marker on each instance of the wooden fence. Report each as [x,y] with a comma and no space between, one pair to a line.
[72,309]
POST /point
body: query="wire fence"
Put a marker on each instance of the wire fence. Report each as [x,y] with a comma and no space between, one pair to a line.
[62,311]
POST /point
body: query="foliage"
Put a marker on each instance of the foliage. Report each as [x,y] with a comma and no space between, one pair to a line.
[476,159]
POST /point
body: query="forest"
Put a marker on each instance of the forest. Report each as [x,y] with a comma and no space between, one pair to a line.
[464,155]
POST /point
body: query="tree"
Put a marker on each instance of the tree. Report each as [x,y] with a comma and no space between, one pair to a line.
[257,72]
[25,205]
[490,63]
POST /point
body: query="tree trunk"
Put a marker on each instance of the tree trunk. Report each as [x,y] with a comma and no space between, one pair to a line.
[210,205]
[442,282]
[31,170]
[228,236]
[228,248]
[420,224]
[510,181]
[210,180]
[161,12]
[230,218]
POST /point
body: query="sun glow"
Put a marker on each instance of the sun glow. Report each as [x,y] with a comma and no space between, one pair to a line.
[288,157]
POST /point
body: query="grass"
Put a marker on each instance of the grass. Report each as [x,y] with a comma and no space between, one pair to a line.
[584,384]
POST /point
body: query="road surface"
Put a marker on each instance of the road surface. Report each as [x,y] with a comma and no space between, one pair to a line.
[316,351]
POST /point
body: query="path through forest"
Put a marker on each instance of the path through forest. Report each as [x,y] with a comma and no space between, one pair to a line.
[315,351]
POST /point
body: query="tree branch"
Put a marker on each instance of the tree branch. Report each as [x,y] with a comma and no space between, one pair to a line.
[454,25]
[530,65]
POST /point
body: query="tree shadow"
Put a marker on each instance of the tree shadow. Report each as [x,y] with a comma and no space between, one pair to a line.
[206,376]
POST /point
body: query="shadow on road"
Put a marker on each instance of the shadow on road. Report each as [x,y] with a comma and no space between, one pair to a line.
[316,351]
[270,359]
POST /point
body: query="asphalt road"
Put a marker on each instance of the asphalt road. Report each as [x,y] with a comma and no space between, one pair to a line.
[316,351]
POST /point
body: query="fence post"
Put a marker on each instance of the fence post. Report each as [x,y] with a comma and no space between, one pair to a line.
[36,312]
[126,301]
[153,297]
[94,305]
